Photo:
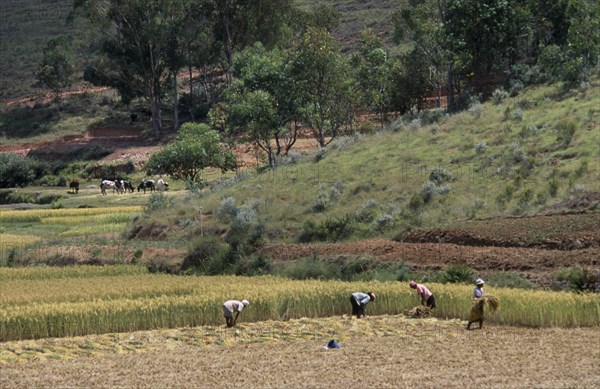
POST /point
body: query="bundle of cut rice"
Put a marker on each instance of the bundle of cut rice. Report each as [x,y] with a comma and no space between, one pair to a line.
[418,312]
[477,307]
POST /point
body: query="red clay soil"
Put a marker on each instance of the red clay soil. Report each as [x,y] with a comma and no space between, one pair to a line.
[537,264]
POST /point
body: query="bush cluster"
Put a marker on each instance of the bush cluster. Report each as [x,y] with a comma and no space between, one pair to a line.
[17,171]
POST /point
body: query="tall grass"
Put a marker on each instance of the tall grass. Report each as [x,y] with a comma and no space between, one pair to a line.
[78,305]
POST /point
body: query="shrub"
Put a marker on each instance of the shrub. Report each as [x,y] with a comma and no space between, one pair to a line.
[322,202]
[508,280]
[476,110]
[8,196]
[159,201]
[331,229]
[553,185]
[430,189]
[481,147]
[518,115]
[440,176]
[227,210]
[204,254]
[579,279]
[247,230]
[383,222]
[565,132]
[19,171]
[253,266]
[457,274]
[367,212]
[366,127]
[498,95]
[416,202]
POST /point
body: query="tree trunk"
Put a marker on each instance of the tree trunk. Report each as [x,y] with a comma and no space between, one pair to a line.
[175,102]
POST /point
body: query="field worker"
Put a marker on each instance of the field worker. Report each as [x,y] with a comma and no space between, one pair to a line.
[478,292]
[359,302]
[231,306]
[427,298]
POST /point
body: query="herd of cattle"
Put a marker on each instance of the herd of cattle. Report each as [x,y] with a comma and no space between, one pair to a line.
[119,185]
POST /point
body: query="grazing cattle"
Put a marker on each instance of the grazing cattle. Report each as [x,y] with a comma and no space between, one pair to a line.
[107,184]
[74,186]
[146,184]
[126,186]
[162,185]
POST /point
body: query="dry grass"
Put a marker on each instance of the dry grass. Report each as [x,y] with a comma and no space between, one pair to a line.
[379,351]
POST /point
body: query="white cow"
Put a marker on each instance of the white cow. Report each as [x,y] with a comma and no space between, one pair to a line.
[162,185]
[107,184]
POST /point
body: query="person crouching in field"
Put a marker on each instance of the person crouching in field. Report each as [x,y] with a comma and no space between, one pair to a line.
[427,298]
[233,306]
[359,302]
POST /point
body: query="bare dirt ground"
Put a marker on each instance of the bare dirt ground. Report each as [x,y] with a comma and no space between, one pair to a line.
[538,265]
[376,352]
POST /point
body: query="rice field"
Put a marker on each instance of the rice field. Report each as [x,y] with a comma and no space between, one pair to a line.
[376,352]
[22,228]
[37,306]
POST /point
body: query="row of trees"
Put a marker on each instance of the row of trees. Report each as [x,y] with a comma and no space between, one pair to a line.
[267,66]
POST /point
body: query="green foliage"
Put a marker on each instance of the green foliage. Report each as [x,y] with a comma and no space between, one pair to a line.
[247,231]
[320,75]
[330,229]
[19,171]
[579,279]
[565,132]
[56,68]
[205,255]
[196,148]
[159,201]
[457,274]
[508,280]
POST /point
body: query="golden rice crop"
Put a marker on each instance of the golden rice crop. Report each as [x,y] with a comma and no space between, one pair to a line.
[84,271]
[11,240]
[111,218]
[35,215]
[77,306]
[96,229]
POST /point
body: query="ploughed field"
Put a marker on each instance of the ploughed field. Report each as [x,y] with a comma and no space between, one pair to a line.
[377,351]
[536,247]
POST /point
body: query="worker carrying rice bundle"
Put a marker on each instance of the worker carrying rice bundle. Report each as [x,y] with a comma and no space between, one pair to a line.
[478,303]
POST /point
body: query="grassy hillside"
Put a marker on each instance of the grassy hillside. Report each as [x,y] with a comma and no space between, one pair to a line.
[517,156]
[356,16]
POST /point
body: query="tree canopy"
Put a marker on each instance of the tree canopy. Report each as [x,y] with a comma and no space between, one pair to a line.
[196,148]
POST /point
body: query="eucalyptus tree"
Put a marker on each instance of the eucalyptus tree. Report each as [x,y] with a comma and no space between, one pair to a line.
[372,64]
[260,104]
[421,24]
[136,39]
[321,78]
[238,24]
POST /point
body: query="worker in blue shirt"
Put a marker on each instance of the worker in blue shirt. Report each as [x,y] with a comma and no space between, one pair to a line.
[359,302]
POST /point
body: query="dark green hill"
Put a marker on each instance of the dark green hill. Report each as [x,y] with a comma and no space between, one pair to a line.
[27,25]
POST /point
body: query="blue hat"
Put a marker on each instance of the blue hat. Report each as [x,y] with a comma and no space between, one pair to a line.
[332,344]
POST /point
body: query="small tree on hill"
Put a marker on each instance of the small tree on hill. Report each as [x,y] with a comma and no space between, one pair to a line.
[56,69]
[197,147]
